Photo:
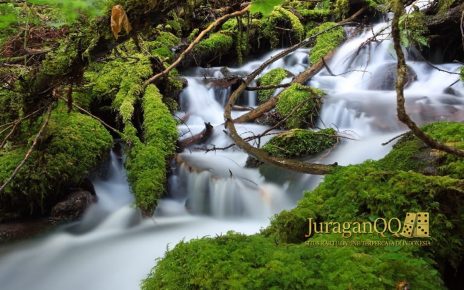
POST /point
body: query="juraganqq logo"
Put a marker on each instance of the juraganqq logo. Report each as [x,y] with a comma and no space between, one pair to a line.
[415,225]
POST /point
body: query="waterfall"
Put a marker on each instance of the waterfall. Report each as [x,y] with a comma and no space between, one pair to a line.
[210,193]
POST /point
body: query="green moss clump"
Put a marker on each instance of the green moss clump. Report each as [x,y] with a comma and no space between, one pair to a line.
[301,142]
[296,24]
[236,261]
[272,77]
[300,105]
[146,162]
[216,44]
[71,146]
[162,45]
[325,42]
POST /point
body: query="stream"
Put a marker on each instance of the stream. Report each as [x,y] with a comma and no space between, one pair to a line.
[211,193]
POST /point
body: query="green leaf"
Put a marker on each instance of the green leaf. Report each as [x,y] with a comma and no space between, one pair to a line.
[264,7]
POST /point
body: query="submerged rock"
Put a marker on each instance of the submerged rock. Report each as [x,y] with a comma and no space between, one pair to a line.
[73,206]
[384,78]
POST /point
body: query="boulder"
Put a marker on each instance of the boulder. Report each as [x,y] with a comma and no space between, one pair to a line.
[73,206]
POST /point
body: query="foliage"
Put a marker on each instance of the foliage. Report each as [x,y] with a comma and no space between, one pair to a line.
[413,29]
[264,7]
[300,105]
[301,142]
[272,77]
[236,261]
[71,146]
[146,163]
[325,42]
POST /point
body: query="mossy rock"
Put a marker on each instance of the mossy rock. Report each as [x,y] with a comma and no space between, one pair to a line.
[216,45]
[236,261]
[71,146]
[272,77]
[325,42]
[301,142]
[385,189]
[300,105]
[410,153]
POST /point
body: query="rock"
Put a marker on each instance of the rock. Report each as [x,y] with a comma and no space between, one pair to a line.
[253,162]
[73,206]
[384,78]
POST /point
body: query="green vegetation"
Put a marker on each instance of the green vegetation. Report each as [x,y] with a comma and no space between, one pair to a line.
[236,261]
[375,189]
[325,42]
[300,143]
[217,44]
[272,77]
[281,17]
[72,145]
[300,105]
[146,163]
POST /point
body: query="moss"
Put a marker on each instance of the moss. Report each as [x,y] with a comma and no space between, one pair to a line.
[283,18]
[376,188]
[216,44]
[410,153]
[161,47]
[71,146]
[146,163]
[193,35]
[301,142]
[341,9]
[272,77]
[295,23]
[325,42]
[300,105]
[236,261]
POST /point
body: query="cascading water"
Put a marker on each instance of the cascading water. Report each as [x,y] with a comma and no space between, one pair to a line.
[211,193]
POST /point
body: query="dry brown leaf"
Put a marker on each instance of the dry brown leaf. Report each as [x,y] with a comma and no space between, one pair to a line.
[119,20]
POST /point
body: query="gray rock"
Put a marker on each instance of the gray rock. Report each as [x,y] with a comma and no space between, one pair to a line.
[384,78]
[73,206]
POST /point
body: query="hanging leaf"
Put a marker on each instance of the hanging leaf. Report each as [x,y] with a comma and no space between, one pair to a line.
[264,7]
[119,21]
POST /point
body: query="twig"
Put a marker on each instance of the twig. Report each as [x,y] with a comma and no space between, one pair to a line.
[200,36]
[270,87]
[394,138]
[29,152]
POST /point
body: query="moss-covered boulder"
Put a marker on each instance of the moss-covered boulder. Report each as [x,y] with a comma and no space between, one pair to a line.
[235,261]
[216,45]
[71,146]
[272,77]
[301,142]
[299,105]
[325,42]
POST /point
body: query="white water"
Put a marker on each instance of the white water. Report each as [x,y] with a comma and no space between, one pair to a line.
[211,193]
